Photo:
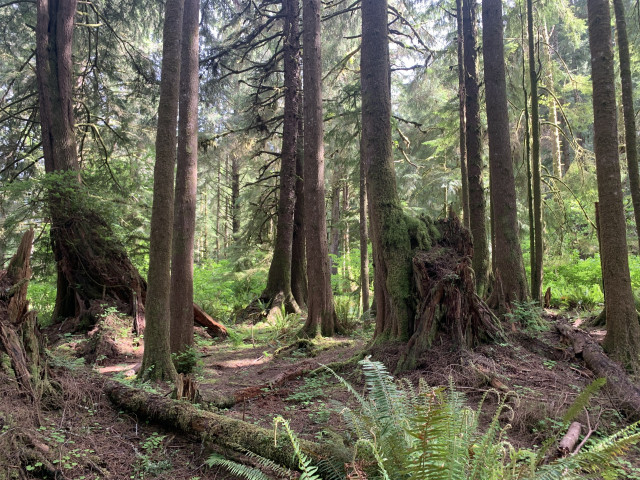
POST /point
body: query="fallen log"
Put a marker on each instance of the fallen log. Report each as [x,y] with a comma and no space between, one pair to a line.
[214,429]
[568,442]
[623,393]
[202,318]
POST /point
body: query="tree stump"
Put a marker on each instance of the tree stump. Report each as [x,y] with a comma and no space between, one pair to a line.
[445,295]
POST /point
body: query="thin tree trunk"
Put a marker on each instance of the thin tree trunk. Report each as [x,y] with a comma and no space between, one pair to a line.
[184,221]
[474,150]
[464,175]
[156,361]
[364,238]
[553,111]
[278,290]
[321,318]
[536,273]
[507,254]
[218,204]
[334,245]
[630,137]
[623,330]
[235,195]
[298,255]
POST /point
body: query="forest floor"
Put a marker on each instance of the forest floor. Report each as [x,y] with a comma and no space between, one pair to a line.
[93,439]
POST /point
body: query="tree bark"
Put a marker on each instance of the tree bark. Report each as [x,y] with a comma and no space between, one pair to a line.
[334,245]
[536,273]
[364,238]
[156,361]
[321,317]
[217,429]
[235,195]
[464,175]
[623,330]
[184,220]
[507,253]
[477,212]
[91,267]
[631,144]
[278,290]
[298,253]
[624,394]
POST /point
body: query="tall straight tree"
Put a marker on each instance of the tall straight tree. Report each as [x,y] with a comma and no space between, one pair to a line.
[184,221]
[630,137]
[477,213]
[91,267]
[389,230]
[364,236]
[507,254]
[156,361]
[463,128]
[321,317]
[623,330]
[298,256]
[278,290]
[536,273]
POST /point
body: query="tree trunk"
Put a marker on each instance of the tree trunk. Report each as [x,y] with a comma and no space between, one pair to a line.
[623,392]
[536,273]
[298,255]
[364,238]
[623,330]
[321,318]
[334,245]
[278,289]
[477,212]
[184,221]
[507,253]
[19,336]
[235,195]
[464,175]
[220,430]
[630,137]
[92,268]
[156,361]
[556,156]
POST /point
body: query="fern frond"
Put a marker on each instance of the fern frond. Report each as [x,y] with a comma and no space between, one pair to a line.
[237,469]
[304,463]
[268,463]
[582,400]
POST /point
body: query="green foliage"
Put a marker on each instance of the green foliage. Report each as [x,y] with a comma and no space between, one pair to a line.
[42,298]
[185,361]
[430,433]
[528,315]
[237,469]
[221,290]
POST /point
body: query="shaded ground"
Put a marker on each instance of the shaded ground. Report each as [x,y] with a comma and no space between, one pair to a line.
[96,441]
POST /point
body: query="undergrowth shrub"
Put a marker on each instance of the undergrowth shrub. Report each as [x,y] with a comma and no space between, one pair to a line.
[401,431]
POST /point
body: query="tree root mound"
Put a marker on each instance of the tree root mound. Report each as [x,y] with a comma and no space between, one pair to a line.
[445,292]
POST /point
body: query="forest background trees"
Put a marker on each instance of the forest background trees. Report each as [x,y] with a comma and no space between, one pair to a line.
[253,134]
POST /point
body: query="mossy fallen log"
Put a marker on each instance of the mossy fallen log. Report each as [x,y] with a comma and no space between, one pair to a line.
[215,429]
[623,393]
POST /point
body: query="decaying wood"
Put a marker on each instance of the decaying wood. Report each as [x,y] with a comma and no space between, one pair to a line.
[202,318]
[568,442]
[446,295]
[15,319]
[214,429]
[623,393]
[187,389]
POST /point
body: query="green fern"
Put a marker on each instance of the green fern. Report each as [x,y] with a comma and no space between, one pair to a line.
[237,469]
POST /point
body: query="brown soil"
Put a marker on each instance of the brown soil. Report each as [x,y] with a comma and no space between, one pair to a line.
[93,440]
